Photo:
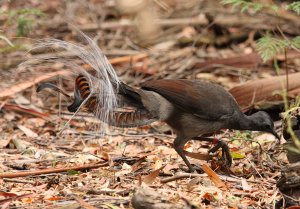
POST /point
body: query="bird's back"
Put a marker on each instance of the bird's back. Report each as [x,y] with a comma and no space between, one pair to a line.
[203,99]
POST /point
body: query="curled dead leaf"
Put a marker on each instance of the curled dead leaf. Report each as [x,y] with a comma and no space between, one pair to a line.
[150,178]
[214,177]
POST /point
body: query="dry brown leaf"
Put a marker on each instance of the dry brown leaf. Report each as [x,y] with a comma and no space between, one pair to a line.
[197,155]
[14,198]
[21,144]
[158,163]
[138,164]
[245,185]
[7,194]
[150,178]
[4,142]
[9,116]
[84,204]
[28,132]
[36,122]
[260,90]
[214,177]
[126,169]
[193,183]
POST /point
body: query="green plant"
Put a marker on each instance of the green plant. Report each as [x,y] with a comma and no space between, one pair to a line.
[269,46]
[295,6]
[295,147]
[24,19]
[248,5]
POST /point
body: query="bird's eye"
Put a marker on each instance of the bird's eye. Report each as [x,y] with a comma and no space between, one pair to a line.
[267,126]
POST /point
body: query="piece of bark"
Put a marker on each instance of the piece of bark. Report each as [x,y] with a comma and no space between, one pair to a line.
[150,199]
[250,61]
[262,90]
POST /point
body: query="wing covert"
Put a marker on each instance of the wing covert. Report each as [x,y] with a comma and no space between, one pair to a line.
[203,99]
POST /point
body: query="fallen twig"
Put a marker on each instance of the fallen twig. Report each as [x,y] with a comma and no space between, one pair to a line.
[15,107]
[19,181]
[50,170]
[182,176]
[24,85]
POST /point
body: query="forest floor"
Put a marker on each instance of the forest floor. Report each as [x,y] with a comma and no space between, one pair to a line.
[52,159]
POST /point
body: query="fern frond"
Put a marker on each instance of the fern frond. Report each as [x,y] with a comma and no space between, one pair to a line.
[295,42]
[268,46]
[295,6]
[248,5]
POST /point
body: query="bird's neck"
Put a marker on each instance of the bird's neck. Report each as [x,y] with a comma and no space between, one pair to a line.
[243,122]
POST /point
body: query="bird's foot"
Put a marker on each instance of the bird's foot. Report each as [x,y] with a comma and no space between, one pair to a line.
[225,151]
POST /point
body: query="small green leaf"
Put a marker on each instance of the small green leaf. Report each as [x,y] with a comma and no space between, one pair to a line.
[246,5]
[236,155]
[295,6]
[73,172]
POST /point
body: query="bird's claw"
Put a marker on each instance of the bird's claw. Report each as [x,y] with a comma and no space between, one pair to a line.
[225,152]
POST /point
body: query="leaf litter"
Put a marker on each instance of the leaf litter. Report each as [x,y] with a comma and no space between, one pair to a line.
[78,167]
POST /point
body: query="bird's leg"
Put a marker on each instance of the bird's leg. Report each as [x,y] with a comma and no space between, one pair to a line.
[219,144]
[178,146]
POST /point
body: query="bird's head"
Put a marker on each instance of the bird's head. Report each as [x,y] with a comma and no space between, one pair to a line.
[261,121]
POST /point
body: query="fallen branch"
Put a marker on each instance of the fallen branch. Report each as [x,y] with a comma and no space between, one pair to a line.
[24,85]
[182,176]
[247,61]
[50,170]
[263,90]
[9,106]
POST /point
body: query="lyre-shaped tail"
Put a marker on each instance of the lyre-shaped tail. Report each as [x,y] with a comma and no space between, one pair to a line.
[126,96]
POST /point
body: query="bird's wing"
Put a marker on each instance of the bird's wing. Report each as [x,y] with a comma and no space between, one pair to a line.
[203,99]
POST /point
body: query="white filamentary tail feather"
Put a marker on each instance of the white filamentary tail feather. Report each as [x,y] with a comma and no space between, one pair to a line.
[104,83]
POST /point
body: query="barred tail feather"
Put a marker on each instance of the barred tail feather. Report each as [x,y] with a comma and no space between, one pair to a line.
[138,117]
[90,102]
